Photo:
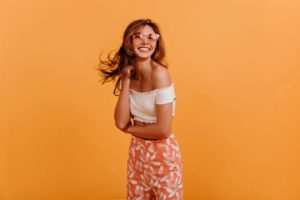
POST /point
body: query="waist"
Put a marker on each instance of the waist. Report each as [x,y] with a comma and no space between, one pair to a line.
[139,123]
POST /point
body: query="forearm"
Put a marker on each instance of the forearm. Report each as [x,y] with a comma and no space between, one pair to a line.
[149,131]
[122,111]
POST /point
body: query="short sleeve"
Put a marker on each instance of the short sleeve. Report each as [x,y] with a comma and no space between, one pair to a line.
[165,95]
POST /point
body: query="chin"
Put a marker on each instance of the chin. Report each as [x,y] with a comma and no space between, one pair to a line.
[143,55]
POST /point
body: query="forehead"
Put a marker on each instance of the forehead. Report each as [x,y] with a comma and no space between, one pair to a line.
[145,29]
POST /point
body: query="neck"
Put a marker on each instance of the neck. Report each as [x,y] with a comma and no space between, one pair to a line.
[143,67]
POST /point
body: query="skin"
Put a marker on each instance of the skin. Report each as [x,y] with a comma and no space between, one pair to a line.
[149,75]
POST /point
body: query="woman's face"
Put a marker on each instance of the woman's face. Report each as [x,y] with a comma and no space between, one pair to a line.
[144,41]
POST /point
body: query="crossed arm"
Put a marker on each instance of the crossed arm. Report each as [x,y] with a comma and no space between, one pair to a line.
[159,130]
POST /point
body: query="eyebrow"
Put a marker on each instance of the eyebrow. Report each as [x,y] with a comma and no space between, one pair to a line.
[141,32]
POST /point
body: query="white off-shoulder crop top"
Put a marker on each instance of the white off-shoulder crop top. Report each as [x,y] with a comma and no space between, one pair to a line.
[142,104]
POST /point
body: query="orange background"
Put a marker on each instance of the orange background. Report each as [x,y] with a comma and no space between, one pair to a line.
[235,65]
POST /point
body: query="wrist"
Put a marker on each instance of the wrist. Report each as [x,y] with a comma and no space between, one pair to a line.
[125,83]
[125,79]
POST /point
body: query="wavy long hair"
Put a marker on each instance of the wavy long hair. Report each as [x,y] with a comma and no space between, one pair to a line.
[111,68]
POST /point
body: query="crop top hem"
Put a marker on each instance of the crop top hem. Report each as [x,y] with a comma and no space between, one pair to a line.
[146,121]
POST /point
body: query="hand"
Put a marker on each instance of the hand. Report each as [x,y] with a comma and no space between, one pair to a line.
[127,71]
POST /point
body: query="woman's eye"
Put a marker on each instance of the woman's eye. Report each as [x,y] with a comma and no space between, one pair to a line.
[137,36]
[152,37]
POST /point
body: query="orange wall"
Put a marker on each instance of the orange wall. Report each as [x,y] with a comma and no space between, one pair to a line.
[235,65]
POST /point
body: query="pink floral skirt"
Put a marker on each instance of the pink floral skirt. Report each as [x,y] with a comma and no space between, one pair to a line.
[154,169]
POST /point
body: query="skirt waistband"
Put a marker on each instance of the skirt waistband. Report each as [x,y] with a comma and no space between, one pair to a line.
[170,136]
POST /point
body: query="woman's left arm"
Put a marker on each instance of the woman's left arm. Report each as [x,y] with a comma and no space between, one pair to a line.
[160,130]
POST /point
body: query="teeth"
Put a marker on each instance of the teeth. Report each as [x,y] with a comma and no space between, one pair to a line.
[144,49]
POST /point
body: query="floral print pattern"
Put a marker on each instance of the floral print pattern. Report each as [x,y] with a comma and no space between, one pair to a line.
[154,169]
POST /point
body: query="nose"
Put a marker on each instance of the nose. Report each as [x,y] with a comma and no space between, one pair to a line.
[143,39]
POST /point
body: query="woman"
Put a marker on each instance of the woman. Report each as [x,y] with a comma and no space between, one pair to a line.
[145,108]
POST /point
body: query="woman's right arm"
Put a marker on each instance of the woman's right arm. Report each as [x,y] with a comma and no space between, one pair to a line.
[122,110]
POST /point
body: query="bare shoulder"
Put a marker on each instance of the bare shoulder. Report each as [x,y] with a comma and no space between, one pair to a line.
[161,77]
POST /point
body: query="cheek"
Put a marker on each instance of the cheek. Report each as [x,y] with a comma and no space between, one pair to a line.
[154,46]
[135,44]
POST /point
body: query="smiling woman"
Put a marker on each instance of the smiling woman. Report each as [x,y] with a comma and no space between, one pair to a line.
[147,98]
[111,68]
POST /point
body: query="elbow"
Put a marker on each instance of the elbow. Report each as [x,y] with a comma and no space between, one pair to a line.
[121,125]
